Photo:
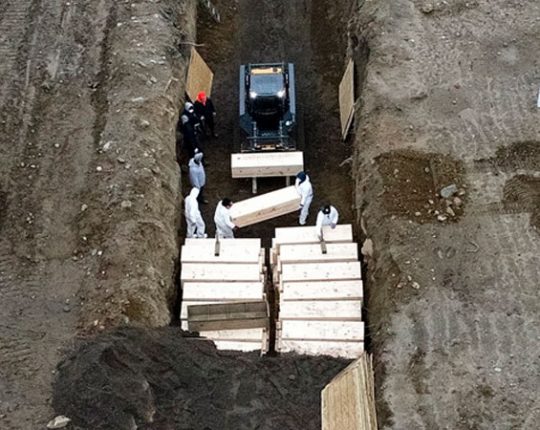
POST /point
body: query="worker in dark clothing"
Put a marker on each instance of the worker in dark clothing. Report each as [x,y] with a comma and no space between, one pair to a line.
[204,109]
[189,124]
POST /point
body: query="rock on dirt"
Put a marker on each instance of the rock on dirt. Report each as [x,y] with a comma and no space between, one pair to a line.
[58,422]
[449,191]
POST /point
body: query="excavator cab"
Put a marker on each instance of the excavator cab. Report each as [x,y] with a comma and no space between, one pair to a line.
[267,106]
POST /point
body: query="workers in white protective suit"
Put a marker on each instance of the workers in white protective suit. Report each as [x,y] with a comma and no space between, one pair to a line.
[328,215]
[195,223]
[197,175]
[224,225]
[304,188]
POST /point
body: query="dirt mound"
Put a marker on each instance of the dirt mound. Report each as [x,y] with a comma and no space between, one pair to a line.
[156,379]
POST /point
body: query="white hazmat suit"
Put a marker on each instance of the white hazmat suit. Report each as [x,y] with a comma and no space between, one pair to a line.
[194,220]
[323,219]
[305,190]
[224,224]
[197,175]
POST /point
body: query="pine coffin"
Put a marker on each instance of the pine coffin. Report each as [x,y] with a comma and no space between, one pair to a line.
[265,207]
[266,164]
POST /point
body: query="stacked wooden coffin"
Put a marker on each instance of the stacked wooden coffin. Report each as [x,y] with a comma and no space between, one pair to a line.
[236,276]
[320,294]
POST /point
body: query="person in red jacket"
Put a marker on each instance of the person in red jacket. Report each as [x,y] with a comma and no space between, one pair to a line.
[205,111]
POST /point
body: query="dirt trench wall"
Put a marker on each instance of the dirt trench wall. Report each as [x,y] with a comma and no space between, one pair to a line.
[89,186]
[133,213]
[449,97]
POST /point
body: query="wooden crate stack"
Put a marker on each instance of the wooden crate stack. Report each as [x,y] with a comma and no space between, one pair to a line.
[237,274]
[320,295]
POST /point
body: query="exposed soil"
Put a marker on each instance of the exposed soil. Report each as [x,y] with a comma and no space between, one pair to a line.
[91,201]
[157,379]
[453,306]
[89,184]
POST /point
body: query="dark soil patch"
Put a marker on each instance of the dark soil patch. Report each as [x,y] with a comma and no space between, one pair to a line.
[412,183]
[157,379]
[518,155]
[523,192]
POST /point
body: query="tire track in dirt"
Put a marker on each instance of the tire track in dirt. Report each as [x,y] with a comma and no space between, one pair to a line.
[14,17]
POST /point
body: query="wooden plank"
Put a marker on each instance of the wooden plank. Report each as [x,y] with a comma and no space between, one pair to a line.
[346,99]
[346,310]
[186,303]
[265,206]
[321,271]
[217,311]
[245,321]
[304,253]
[333,349]
[222,291]
[250,334]
[348,401]
[288,235]
[227,254]
[218,272]
[227,316]
[322,330]
[199,76]
[322,290]
[266,164]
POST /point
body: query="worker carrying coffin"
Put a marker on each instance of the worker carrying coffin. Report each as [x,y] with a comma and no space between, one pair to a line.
[222,217]
[327,215]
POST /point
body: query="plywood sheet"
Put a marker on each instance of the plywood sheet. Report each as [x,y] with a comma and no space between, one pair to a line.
[348,401]
[222,291]
[228,253]
[226,316]
[321,271]
[220,272]
[265,206]
[304,253]
[346,99]
[266,164]
[333,349]
[199,77]
[288,235]
[322,290]
[322,330]
[321,310]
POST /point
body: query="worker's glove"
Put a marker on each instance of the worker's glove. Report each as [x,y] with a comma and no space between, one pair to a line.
[202,117]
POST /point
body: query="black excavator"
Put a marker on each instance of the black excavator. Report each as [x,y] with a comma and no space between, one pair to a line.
[268,111]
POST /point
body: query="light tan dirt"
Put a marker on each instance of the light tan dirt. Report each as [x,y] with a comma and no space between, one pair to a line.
[89,189]
[453,306]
